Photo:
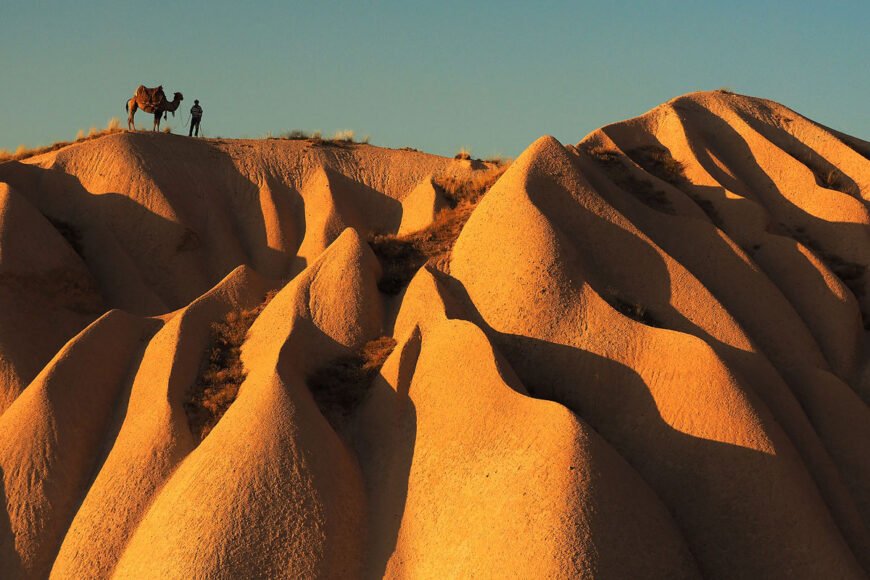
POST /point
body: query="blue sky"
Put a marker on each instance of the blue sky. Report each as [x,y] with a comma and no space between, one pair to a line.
[492,76]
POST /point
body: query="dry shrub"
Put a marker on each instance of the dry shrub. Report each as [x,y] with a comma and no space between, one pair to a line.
[497,160]
[23,152]
[831,179]
[611,162]
[631,309]
[221,373]
[604,154]
[826,174]
[341,385]
[402,256]
[400,259]
[459,189]
[464,154]
[345,135]
[659,162]
[837,180]
[7,155]
[341,139]
[295,135]
[301,135]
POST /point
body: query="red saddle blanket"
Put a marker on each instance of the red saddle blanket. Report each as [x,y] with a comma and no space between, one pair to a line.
[149,98]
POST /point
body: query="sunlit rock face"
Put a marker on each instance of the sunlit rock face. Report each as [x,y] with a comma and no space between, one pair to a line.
[643,355]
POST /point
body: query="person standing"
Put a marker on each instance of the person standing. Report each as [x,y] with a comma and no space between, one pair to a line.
[195,118]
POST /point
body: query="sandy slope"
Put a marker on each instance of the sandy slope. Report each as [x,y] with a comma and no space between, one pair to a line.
[649,357]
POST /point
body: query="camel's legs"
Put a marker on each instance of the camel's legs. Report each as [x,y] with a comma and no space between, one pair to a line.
[132,106]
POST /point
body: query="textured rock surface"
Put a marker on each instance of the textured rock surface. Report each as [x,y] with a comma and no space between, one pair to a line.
[646,357]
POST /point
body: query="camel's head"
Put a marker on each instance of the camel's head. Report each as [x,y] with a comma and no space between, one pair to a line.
[178,97]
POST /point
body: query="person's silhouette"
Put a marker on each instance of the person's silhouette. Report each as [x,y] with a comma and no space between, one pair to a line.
[195,118]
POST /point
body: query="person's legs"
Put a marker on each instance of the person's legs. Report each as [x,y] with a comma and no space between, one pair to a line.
[190,132]
[197,126]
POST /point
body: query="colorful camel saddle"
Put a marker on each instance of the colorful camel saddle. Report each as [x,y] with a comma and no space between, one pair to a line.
[149,98]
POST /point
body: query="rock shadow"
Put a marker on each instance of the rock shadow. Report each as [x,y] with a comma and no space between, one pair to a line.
[167,264]
[385,433]
[726,498]
[9,558]
[751,181]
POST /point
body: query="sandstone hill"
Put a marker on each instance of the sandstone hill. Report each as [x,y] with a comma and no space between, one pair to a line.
[643,355]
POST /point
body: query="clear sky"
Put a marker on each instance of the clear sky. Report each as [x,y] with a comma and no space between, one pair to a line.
[492,76]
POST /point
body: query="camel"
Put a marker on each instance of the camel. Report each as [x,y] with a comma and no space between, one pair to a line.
[151,101]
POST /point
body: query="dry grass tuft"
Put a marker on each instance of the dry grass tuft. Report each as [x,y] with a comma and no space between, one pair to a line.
[341,385]
[23,152]
[400,259]
[221,373]
[612,162]
[464,153]
[838,181]
[497,160]
[402,256]
[345,135]
[827,175]
[632,309]
[604,154]
[294,135]
[659,162]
